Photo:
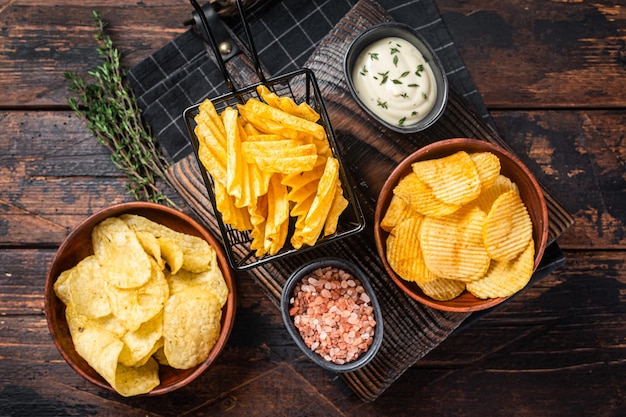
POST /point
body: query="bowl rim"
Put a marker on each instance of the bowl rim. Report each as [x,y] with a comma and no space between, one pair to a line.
[435,150]
[383,30]
[353,269]
[228,310]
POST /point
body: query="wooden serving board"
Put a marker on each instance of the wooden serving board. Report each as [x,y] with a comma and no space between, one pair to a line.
[369,153]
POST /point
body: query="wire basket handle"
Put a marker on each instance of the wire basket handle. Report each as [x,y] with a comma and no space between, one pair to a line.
[220,61]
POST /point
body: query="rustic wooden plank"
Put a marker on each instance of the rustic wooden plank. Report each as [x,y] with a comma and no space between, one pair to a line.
[568,327]
[578,46]
[542,53]
[579,156]
[41,41]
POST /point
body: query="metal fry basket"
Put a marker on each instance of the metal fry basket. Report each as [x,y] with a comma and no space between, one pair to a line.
[301,86]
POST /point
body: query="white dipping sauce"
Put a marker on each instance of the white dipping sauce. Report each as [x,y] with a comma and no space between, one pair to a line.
[394,81]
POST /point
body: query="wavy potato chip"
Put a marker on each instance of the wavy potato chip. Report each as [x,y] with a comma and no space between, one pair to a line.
[421,197]
[454,179]
[453,245]
[191,326]
[442,289]
[212,280]
[397,211]
[488,168]
[507,228]
[404,252]
[505,278]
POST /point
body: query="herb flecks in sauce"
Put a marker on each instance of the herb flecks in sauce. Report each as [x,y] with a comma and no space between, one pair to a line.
[411,90]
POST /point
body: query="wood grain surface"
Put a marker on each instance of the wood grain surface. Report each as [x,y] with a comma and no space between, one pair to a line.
[552,75]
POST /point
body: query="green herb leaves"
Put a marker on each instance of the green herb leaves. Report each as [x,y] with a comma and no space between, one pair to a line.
[113,116]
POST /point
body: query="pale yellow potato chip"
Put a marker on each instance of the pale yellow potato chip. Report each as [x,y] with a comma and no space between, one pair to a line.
[507,228]
[62,286]
[150,244]
[404,252]
[87,289]
[212,280]
[135,306]
[140,344]
[454,179]
[198,255]
[171,252]
[505,278]
[453,245]
[191,327]
[99,347]
[119,252]
[131,381]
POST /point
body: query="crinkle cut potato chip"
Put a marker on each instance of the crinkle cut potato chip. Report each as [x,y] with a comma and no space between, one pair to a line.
[505,278]
[404,251]
[453,245]
[118,329]
[276,139]
[508,228]
[480,241]
[454,179]
[421,198]
[442,289]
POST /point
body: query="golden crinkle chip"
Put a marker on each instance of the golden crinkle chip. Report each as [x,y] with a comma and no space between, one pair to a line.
[453,245]
[508,228]
[421,198]
[475,232]
[442,289]
[404,251]
[454,179]
[505,278]
[119,328]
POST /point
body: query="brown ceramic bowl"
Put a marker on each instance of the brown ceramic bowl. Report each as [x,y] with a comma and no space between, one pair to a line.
[78,245]
[511,167]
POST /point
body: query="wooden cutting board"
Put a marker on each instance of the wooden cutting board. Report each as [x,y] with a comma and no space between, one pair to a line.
[369,153]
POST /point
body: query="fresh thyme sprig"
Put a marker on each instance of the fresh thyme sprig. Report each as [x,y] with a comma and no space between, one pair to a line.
[110,109]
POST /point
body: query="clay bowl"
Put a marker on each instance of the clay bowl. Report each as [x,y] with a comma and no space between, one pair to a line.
[77,246]
[512,167]
[288,292]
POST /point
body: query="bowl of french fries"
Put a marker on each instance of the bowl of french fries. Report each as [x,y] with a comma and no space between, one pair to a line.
[461,225]
[273,170]
[140,299]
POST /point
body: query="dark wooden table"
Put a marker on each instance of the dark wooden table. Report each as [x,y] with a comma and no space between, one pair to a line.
[553,76]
